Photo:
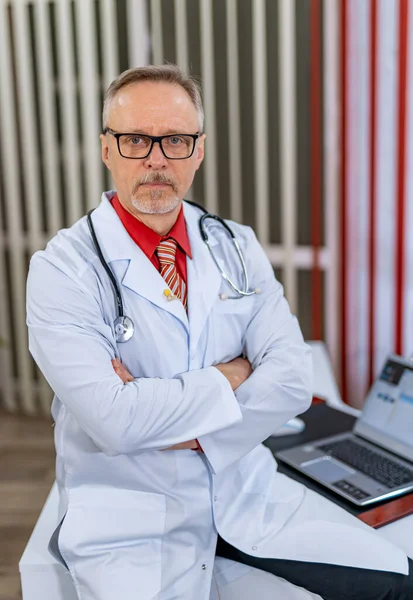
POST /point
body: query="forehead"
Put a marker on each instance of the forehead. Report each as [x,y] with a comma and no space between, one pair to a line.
[154,108]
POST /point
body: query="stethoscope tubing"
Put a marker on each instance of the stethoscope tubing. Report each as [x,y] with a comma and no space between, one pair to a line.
[118,295]
[241,293]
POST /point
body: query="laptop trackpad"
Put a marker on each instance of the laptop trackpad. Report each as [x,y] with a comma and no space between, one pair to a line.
[327,469]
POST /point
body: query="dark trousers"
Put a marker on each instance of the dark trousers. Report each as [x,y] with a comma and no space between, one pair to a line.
[331,582]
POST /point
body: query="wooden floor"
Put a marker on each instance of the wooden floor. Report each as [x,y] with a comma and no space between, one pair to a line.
[26,475]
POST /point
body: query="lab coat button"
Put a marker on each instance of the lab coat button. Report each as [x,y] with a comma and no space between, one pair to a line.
[204,567]
[215,498]
[254,547]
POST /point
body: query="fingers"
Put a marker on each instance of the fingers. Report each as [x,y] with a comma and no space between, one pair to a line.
[244,363]
[191,445]
[242,359]
[121,371]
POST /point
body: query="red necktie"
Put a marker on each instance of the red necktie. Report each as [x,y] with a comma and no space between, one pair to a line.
[166,253]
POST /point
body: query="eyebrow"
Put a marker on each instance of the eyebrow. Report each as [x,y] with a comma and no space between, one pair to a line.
[168,132]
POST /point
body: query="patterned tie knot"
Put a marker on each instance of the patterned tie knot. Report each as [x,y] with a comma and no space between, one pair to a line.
[166,252]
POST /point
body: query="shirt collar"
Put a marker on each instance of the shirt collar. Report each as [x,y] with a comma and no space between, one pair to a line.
[145,237]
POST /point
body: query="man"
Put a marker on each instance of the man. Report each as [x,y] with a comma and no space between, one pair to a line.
[159,422]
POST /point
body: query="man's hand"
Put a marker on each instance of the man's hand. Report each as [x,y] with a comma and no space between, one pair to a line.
[121,371]
[192,445]
[124,374]
[236,371]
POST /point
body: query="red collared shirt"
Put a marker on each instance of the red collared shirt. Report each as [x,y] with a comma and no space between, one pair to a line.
[147,239]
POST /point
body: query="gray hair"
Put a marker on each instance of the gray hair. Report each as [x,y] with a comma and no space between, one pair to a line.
[165,73]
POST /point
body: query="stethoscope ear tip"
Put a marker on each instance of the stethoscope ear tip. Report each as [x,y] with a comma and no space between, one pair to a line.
[257,290]
[223,296]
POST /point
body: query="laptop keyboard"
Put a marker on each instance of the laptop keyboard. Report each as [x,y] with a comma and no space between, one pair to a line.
[375,465]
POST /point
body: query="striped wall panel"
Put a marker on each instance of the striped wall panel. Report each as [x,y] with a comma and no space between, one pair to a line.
[376,192]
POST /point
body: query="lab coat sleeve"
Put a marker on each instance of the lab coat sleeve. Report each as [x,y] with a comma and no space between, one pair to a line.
[73,347]
[280,386]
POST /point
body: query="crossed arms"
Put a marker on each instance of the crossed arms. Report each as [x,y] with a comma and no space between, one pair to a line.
[236,371]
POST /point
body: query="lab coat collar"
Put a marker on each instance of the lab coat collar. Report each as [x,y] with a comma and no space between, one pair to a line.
[140,275]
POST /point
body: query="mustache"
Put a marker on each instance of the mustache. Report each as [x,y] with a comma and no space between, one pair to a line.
[155,178]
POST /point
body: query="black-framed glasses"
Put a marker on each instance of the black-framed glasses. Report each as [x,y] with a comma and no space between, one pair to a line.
[177,146]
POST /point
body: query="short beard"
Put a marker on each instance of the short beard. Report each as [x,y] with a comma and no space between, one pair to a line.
[155,202]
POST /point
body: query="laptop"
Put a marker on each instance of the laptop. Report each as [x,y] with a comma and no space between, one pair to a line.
[374,461]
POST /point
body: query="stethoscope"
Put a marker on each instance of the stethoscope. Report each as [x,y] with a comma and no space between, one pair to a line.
[123,325]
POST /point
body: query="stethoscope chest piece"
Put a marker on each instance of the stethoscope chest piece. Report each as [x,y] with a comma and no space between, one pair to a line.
[124,329]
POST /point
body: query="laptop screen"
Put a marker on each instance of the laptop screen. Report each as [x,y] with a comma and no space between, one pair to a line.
[387,416]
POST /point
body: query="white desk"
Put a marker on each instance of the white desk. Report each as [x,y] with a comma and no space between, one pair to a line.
[44,579]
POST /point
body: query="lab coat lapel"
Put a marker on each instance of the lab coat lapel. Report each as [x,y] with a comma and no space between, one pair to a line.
[143,278]
[140,276]
[204,279]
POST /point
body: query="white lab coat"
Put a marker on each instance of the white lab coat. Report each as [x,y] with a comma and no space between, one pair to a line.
[141,523]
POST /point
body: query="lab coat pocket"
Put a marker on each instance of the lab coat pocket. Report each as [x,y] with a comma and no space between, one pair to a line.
[230,319]
[111,541]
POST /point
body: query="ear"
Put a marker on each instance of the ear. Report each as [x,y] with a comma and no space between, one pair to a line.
[200,151]
[105,149]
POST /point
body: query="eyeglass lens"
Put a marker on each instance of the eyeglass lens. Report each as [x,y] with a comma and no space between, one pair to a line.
[138,146]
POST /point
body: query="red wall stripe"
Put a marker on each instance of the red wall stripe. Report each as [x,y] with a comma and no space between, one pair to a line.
[372,202]
[343,196]
[403,6]
[315,111]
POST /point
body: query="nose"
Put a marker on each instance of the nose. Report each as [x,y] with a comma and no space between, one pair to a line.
[156,158]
